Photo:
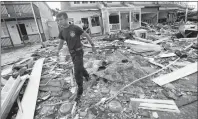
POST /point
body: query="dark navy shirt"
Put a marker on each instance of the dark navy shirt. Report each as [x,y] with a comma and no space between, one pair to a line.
[71,35]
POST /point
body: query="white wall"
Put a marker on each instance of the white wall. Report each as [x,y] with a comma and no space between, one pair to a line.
[53,28]
[46,15]
[78,15]
[30,26]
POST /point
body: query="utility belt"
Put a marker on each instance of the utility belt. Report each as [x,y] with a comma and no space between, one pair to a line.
[75,50]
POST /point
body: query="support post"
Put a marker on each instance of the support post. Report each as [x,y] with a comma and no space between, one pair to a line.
[120,19]
[130,19]
[157,16]
[186,15]
[8,33]
[140,18]
[35,18]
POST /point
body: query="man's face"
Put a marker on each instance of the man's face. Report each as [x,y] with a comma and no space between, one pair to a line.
[61,21]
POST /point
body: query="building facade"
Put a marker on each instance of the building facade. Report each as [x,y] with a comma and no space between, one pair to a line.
[103,17]
[19,26]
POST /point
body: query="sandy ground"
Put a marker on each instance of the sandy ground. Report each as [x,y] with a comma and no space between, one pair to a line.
[13,54]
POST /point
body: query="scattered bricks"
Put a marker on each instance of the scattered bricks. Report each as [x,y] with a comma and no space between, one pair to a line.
[65,108]
[115,106]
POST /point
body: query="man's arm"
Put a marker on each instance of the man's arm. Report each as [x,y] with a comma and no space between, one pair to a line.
[84,34]
[60,46]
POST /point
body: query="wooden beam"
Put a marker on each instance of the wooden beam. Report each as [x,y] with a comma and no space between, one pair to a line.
[156,104]
[6,94]
[155,101]
[185,71]
[28,102]
[14,96]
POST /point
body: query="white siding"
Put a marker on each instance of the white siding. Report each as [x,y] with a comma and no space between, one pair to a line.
[78,15]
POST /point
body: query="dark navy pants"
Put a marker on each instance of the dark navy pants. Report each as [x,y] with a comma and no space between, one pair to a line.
[79,70]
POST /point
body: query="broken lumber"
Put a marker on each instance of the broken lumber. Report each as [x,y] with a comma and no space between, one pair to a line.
[159,105]
[185,71]
[28,102]
[6,94]
[167,55]
[14,96]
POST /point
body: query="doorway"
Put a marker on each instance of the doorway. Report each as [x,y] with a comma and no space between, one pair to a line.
[125,21]
[95,25]
[23,34]
[85,26]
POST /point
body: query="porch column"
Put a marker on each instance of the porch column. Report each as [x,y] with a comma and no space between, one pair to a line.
[157,16]
[107,15]
[35,18]
[119,19]
[140,18]
[130,19]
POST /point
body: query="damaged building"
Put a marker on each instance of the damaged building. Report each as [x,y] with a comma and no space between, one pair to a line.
[20,26]
[106,17]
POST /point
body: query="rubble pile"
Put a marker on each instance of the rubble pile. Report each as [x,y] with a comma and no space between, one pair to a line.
[122,58]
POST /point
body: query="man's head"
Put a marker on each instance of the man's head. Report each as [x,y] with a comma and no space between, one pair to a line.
[62,19]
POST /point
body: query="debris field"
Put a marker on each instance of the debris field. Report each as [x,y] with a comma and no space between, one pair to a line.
[132,77]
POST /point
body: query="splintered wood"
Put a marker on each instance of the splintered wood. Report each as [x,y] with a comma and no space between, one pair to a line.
[28,102]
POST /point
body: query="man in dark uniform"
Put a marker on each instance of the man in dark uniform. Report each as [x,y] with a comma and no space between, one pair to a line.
[71,34]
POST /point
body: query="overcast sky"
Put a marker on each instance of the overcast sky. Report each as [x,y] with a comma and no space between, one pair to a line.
[54,5]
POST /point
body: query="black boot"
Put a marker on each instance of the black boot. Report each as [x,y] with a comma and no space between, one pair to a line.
[77,99]
[87,78]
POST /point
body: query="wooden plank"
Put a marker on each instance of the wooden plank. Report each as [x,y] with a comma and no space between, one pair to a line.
[167,55]
[159,109]
[164,106]
[7,93]
[28,102]
[168,102]
[13,97]
[180,73]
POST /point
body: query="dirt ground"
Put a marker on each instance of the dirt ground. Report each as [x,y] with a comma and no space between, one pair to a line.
[10,55]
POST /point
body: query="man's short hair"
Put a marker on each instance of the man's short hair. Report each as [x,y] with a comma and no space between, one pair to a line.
[64,14]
